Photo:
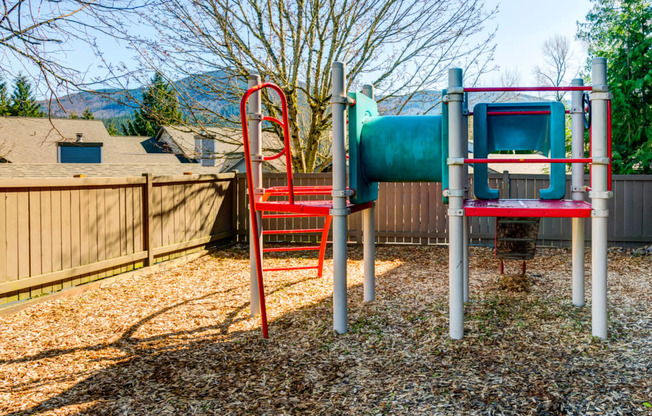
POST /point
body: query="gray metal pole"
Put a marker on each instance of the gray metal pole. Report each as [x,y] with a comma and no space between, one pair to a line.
[577,186]
[599,196]
[464,149]
[339,211]
[465,258]
[256,167]
[369,237]
[455,204]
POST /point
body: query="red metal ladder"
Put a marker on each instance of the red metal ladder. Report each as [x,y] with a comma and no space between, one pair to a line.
[284,209]
[321,247]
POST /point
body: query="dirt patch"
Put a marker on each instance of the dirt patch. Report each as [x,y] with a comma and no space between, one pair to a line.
[182,342]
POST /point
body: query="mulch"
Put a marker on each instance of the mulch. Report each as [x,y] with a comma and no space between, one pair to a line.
[181,341]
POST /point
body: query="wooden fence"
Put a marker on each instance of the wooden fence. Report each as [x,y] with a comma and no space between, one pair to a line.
[413,213]
[58,233]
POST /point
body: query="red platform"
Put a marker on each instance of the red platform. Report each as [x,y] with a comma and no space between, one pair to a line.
[306,207]
[526,208]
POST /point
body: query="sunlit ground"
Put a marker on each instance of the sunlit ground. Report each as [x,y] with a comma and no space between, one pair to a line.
[182,341]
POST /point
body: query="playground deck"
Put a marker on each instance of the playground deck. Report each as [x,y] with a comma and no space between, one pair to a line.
[181,341]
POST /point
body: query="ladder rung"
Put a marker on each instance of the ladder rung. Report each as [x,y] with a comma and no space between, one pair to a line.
[296,231]
[516,222]
[278,269]
[300,248]
[290,215]
[514,256]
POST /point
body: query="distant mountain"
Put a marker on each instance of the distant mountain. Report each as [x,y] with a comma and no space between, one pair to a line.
[429,102]
[120,104]
[117,106]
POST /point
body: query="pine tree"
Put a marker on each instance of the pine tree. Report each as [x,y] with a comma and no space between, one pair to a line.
[159,106]
[4,99]
[87,115]
[621,31]
[112,129]
[23,102]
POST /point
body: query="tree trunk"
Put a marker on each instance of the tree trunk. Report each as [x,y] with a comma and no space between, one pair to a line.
[298,156]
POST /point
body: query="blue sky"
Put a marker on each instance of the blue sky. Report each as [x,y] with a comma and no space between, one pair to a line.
[523,26]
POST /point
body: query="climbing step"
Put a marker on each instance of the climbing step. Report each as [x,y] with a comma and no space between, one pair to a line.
[516,238]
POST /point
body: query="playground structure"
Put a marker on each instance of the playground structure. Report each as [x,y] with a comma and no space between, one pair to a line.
[435,148]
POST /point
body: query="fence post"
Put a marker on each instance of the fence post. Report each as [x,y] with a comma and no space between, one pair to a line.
[505,186]
[147,219]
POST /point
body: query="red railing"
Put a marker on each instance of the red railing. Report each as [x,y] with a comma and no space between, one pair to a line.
[524,160]
[511,113]
[285,124]
[514,89]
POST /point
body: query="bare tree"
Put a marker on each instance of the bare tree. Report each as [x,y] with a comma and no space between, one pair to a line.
[556,55]
[36,36]
[403,47]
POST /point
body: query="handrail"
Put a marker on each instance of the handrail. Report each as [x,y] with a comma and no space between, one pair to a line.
[285,124]
[524,160]
[250,182]
[510,89]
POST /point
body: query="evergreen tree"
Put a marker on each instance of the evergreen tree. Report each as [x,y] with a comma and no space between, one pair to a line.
[4,99]
[112,129]
[87,115]
[23,102]
[159,106]
[621,31]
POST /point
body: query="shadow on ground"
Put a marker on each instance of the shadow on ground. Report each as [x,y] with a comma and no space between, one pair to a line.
[523,354]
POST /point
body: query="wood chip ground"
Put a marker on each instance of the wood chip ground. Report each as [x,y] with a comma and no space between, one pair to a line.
[181,341]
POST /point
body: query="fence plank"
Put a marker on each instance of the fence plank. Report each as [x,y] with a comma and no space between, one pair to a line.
[23,240]
[138,219]
[646,209]
[46,234]
[34,235]
[57,244]
[148,217]
[84,230]
[93,221]
[3,239]
[156,212]
[122,221]
[66,244]
[75,227]
[11,210]
[129,197]
[101,228]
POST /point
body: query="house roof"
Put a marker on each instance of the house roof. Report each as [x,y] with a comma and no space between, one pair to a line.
[34,140]
[228,144]
[67,170]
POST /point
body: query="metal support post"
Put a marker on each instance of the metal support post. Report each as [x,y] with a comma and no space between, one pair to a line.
[455,206]
[369,253]
[369,235]
[577,182]
[256,166]
[599,197]
[464,148]
[465,258]
[339,211]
